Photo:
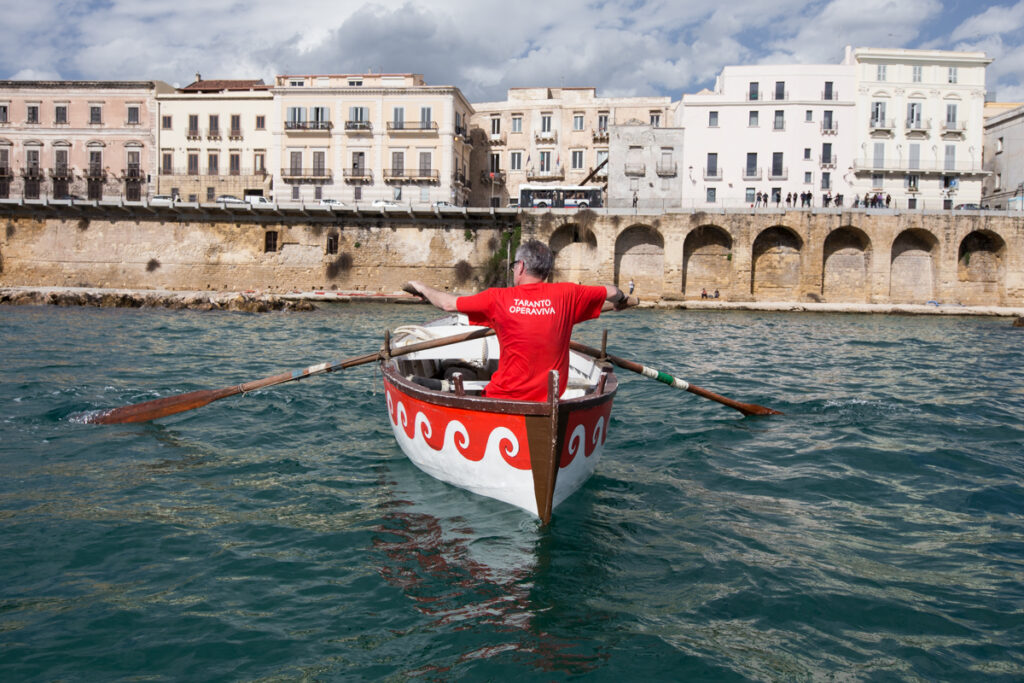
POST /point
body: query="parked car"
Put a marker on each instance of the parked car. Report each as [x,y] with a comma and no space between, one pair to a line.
[385,204]
[229,199]
[258,200]
[163,199]
[442,204]
[332,202]
[967,207]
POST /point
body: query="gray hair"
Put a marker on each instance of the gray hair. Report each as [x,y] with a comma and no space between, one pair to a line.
[536,257]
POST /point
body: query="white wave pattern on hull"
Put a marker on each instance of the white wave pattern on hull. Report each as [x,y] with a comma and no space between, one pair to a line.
[491,476]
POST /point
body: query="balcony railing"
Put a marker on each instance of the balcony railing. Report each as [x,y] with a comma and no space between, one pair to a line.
[235,134]
[917,166]
[61,171]
[635,169]
[192,134]
[170,171]
[492,177]
[666,170]
[829,127]
[713,173]
[411,174]
[780,97]
[311,126]
[779,173]
[412,126]
[601,135]
[459,179]
[546,136]
[550,174]
[5,171]
[830,96]
[496,139]
[32,172]
[358,173]
[213,133]
[462,132]
[918,125]
[358,127]
[882,124]
[752,174]
[827,161]
[316,173]
[134,173]
[95,172]
[954,126]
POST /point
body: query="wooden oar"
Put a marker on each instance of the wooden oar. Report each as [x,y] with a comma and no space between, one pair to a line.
[745,408]
[171,405]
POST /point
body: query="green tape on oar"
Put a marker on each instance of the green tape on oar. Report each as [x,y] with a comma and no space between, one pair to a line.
[665,378]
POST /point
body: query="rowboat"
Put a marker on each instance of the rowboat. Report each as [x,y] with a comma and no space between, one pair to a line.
[532,455]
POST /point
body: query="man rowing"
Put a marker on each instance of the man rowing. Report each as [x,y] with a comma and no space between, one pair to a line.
[533,320]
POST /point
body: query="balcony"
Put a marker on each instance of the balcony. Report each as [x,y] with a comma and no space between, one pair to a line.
[134,173]
[307,126]
[635,169]
[882,125]
[954,127]
[752,174]
[492,177]
[462,132]
[213,133]
[781,96]
[60,172]
[240,172]
[601,172]
[546,136]
[5,171]
[829,127]
[601,135]
[411,174]
[193,134]
[495,139]
[917,167]
[358,127]
[713,173]
[358,174]
[779,173]
[667,170]
[830,96]
[918,125]
[459,178]
[32,172]
[235,134]
[412,127]
[95,172]
[317,174]
[827,161]
[549,174]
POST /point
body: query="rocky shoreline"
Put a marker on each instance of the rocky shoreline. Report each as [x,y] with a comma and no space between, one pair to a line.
[109,298]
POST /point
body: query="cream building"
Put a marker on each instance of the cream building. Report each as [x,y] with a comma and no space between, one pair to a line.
[775,130]
[87,139]
[919,126]
[362,137]
[550,136]
[214,137]
[1004,160]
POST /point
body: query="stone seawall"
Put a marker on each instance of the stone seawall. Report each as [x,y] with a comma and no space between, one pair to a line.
[820,256]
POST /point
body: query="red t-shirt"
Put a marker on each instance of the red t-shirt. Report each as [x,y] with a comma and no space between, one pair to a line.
[534,324]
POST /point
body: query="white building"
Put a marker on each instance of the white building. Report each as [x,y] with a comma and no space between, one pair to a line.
[1004,161]
[919,125]
[775,130]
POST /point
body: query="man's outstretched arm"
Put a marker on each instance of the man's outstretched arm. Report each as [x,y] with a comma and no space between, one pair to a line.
[618,299]
[443,300]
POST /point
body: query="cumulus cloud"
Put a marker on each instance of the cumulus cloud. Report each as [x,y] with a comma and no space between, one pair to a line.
[643,47]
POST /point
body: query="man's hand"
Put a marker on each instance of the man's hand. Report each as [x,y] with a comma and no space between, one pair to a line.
[413,287]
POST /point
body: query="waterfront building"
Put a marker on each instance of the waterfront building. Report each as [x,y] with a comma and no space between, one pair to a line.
[213,138]
[87,139]
[362,137]
[1004,160]
[551,137]
[919,125]
[643,164]
[769,131]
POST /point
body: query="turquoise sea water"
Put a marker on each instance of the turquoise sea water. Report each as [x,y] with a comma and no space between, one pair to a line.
[874,532]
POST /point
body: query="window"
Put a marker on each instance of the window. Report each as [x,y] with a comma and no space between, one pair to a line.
[829,92]
[296,82]
[295,192]
[320,117]
[577,121]
[332,243]
[780,90]
[826,154]
[712,168]
[710,195]
[32,113]
[235,163]
[295,117]
[655,119]
[3,113]
[999,145]
[517,124]
[95,114]
[357,192]
[778,170]
[876,181]
[751,169]
[133,115]
[515,161]
[545,162]
[495,125]
[359,118]
[912,182]
[165,122]
[193,163]
[952,74]
[495,162]
[878,113]
[398,118]
[355,82]
[914,156]
[602,121]
[752,92]
[295,162]
[212,163]
[780,120]
[270,241]
[214,131]
[826,120]
[602,158]
[880,73]
[318,192]
[261,122]
[808,178]
[998,185]
[236,125]
[752,119]
[879,156]
[951,115]
[916,74]
[60,114]
[577,159]
[751,195]
[809,116]
[211,193]
[259,162]
[712,119]
[426,169]
[914,115]
[826,180]
[193,125]
[166,162]
[426,118]
[398,163]
[950,159]
[545,123]
[807,153]
[396,193]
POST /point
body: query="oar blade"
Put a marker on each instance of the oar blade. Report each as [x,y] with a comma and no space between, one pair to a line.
[161,407]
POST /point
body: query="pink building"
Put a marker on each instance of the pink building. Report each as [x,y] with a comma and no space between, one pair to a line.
[88,139]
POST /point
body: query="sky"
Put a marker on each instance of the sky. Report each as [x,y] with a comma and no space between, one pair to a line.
[626,48]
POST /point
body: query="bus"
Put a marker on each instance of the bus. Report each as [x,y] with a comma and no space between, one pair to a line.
[559,196]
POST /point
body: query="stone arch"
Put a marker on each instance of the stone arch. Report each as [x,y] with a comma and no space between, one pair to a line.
[912,267]
[640,257]
[845,265]
[575,250]
[707,260]
[981,269]
[775,264]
